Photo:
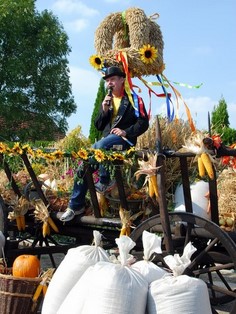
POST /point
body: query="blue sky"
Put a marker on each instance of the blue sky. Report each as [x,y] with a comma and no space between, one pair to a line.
[200,47]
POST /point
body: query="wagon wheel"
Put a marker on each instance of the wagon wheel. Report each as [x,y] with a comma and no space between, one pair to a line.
[216,252]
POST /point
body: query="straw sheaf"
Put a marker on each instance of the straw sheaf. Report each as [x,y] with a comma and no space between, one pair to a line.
[173,137]
[227,191]
[113,36]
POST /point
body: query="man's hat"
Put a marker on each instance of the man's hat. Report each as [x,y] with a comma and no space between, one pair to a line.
[113,71]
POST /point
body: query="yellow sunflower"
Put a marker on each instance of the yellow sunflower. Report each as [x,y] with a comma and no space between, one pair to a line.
[58,154]
[99,155]
[118,156]
[3,148]
[16,149]
[83,154]
[96,61]
[148,54]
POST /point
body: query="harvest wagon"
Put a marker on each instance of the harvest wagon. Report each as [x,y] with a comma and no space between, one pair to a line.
[216,249]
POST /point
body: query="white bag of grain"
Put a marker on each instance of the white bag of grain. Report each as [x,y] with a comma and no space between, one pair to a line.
[200,201]
[150,271]
[108,288]
[178,293]
[75,263]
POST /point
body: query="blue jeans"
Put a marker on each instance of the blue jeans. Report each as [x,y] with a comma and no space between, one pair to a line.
[77,199]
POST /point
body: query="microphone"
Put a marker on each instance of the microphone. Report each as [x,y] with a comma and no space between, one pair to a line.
[109,93]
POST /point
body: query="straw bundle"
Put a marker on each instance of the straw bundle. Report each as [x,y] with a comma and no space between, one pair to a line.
[173,137]
[128,32]
[227,199]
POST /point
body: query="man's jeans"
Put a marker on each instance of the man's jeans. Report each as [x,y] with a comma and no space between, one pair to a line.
[80,189]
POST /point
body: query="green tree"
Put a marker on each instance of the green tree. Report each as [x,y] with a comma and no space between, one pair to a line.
[220,116]
[220,123]
[94,134]
[36,96]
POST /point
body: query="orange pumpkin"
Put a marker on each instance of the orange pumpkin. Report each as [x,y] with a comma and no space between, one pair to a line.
[26,266]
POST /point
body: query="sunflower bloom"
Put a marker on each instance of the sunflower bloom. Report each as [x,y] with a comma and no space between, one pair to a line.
[148,54]
[99,155]
[96,61]
[16,149]
[58,154]
[3,148]
[83,154]
[118,156]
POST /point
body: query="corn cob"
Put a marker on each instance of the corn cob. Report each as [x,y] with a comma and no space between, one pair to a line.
[46,229]
[150,188]
[52,224]
[18,223]
[22,221]
[201,167]
[208,165]
[37,292]
[153,180]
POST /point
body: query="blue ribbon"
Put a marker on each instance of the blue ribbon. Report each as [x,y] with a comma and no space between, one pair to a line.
[136,104]
[170,115]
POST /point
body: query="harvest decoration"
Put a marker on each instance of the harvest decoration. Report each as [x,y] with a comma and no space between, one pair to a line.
[42,214]
[21,206]
[132,30]
[27,266]
[89,154]
[195,144]
[42,287]
[149,168]
[127,220]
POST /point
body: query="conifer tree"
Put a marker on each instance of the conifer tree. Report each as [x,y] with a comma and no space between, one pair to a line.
[94,134]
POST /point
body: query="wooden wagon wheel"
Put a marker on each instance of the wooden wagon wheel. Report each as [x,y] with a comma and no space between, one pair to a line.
[216,252]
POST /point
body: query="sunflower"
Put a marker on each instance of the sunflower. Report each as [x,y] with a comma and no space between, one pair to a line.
[3,148]
[83,154]
[99,155]
[58,154]
[16,149]
[96,61]
[148,54]
[118,156]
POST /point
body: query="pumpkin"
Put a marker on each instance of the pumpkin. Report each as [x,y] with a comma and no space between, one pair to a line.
[26,266]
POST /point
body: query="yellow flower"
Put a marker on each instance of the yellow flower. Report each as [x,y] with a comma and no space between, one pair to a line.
[49,157]
[16,149]
[96,61]
[58,154]
[3,148]
[118,156]
[148,54]
[82,153]
[99,155]
[39,153]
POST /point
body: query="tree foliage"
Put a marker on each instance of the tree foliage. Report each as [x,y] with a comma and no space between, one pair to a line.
[36,96]
[220,123]
[94,134]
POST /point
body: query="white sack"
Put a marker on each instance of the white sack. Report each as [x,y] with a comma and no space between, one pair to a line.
[75,263]
[109,288]
[150,271]
[178,295]
[200,202]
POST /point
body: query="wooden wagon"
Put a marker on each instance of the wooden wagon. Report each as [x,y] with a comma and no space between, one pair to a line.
[216,249]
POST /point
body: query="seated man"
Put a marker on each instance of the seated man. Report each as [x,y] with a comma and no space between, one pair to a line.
[121,125]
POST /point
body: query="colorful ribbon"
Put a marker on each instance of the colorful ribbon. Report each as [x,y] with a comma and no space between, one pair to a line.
[170,113]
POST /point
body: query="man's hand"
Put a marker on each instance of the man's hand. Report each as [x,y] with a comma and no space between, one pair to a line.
[118,132]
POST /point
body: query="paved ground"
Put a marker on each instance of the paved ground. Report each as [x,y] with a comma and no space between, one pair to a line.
[223,309]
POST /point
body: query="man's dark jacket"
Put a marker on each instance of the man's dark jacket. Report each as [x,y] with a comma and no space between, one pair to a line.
[125,120]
